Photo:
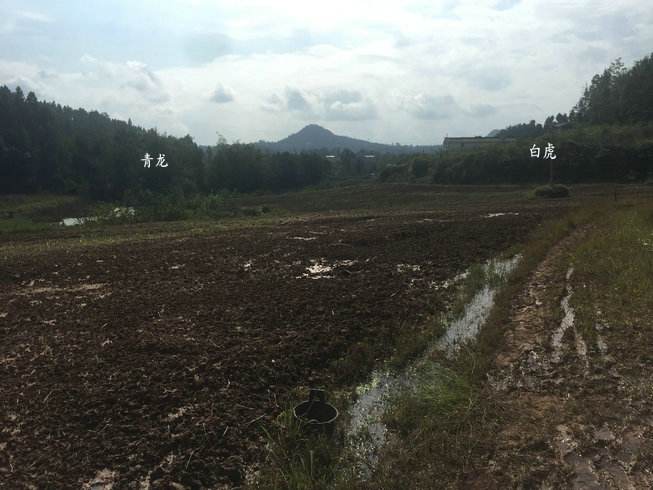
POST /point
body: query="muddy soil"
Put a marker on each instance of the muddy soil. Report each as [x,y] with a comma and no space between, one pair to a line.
[149,364]
[577,412]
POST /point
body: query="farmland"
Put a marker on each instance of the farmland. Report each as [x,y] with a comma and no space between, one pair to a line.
[152,353]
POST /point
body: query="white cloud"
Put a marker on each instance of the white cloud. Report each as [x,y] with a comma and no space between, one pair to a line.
[325,105]
[222,95]
[14,21]
[35,16]
[395,71]
[432,107]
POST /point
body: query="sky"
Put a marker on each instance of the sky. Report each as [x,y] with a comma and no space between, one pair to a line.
[410,72]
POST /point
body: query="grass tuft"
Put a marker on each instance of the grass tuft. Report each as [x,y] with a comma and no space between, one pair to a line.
[613,276]
[552,191]
[446,421]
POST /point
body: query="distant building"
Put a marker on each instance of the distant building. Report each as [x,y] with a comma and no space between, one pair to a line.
[466,143]
[331,157]
[369,156]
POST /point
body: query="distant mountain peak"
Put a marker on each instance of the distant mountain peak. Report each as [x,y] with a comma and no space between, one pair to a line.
[315,126]
[314,129]
[314,137]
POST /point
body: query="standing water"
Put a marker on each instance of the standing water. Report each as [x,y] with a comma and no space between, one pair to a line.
[478,309]
[366,433]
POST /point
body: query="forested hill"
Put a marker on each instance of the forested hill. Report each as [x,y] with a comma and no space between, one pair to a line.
[616,96]
[606,137]
[47,147]
[317,138]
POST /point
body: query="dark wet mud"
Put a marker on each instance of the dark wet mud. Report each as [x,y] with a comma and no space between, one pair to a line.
[152,363]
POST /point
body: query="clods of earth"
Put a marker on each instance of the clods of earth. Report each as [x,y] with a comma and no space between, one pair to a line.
[152,364]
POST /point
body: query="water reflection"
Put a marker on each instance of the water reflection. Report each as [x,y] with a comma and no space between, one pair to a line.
[367,433]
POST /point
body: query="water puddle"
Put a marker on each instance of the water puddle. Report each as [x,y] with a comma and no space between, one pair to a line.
[447,283]
[180,412]
[31,290]
[367,433]
[77,221]
[321,269]
[103,480]
[601,345]
[477,310]
[345,263]
[496,215]
[581,350]
[303,238]
[567,321]
[468,325]
[408,268]
[124,212]
[599,327]
[116,213]
[318,269]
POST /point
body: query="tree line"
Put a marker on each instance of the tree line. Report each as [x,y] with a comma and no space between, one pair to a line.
[618,95]
[606,136]
[46,147]
[585,153]
[600,153]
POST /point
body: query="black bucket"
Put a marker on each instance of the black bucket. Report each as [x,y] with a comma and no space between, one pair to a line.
[316,414]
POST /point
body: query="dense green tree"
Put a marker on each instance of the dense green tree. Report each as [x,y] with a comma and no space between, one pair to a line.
[618,95]
[244,168]
[637,91]
[530,130]
[47,147]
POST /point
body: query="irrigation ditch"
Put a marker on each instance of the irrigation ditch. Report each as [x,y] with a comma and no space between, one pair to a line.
[353,452]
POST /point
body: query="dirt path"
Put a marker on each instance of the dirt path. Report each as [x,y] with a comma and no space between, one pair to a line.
[576,411]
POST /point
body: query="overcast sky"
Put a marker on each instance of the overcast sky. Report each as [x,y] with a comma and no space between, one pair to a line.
[408,72]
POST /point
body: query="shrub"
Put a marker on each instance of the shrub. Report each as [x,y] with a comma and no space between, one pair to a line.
[390,171]
[419,167]
[552,191]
